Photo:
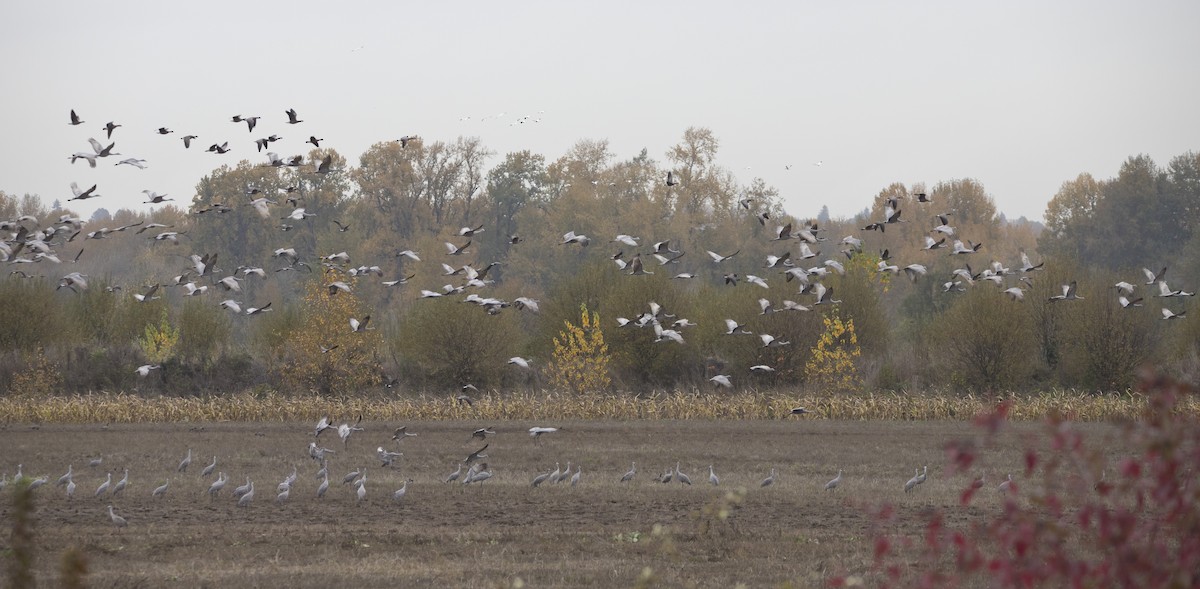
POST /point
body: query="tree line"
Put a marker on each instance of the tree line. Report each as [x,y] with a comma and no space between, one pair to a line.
[908,334]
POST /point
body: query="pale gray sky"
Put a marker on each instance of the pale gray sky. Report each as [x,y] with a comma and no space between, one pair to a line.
[1020,95]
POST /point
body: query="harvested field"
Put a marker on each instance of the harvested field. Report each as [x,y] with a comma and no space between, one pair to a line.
[600,533]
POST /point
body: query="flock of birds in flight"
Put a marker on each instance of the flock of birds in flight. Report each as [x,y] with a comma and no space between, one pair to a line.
[27,235]
[471,469]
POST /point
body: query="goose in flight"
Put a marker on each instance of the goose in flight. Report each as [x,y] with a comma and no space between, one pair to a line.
[357,326]
[672,179]
[1152,278]
[75,120]
[1165,291]
[960,248]
[570,237]
[769,341]
[825,295]
[325,165]
[312,139]
[109,128]
[1168,314]
[1068,294]
[187,140]
[1126,303]
[148,296]
[718,258]
[291,115]
[82,194]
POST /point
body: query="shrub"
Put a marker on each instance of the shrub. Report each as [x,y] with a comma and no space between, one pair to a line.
[580,355]
[834,361]
[1066,522]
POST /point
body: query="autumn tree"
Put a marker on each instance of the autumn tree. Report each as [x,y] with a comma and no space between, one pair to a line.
[352,360]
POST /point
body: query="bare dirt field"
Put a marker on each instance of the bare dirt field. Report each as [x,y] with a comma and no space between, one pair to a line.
[502,533]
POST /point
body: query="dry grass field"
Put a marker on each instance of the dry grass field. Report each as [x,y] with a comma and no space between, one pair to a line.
[502,533]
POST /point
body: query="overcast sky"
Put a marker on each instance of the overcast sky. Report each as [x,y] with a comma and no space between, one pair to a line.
[1019,95]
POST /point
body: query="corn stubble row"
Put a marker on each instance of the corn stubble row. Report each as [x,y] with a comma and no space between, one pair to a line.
[125,408]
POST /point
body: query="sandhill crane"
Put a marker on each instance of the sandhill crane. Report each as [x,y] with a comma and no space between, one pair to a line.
[322,425]
[401,433]
[318,453]
[360,493]
[536,432]
[351,476]
[799,411]
[554,474]
[215,488]
[454,475]
[770,480]
[345,430]
[121,484]
[761,369]
[1006,485]
[712,477]
[161,490]
[666,476]
[93,463]
[541,478]
[565,474]
[769,341]
[1016,293]
[283,495]
[243,489]
[682,478]
[1152,277]
[476,455]
[575,477]
[102,489]
[246,497]
[64,479]
[387,458]
[481,476]
[209,469]
[924,475]
[35,483]
[722,380]
[831,485]
[186,462]
[914,481]
[70,488]
[733,328]
[519,361]
[116,519]
[398,494]
[482,433]
[323,487]
[629,475]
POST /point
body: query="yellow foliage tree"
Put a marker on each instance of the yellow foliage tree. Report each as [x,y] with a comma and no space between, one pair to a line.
[834,361]
[580,355]
[158,342]
[351,366]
